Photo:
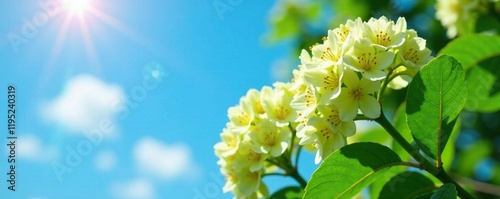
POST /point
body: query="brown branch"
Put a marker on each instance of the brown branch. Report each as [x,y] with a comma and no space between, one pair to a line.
[477,185]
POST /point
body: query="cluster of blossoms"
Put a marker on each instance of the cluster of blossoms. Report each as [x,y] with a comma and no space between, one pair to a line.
[345,73]
[338,82]
[259,129]
[458,15]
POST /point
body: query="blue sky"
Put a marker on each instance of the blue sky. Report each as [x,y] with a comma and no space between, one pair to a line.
[127,98]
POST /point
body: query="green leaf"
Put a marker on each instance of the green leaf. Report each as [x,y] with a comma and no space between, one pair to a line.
[435,97]
[449,152]
[488,24]
[288,192]
[424,196]
[350,169]
[408,184]
[378,184]
[484,86]
[472,49]
[447,191]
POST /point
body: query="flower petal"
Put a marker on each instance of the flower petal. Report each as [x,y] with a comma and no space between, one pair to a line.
[351,62]
[374,75]
[350,78]
[369,106]
[348,128]
[348,109]
[315,77]
[384,60]
[369,86]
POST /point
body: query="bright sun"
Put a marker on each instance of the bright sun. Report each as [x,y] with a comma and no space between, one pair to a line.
[77,6]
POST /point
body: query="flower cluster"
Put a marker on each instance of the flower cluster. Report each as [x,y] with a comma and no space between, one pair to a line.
[339,81]
[259,129]
[457,15]
[344,74]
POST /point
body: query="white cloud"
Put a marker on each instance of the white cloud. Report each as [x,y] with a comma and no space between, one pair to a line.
[163,161]
[105,160]
[84,103]
[135,189]
[30,147]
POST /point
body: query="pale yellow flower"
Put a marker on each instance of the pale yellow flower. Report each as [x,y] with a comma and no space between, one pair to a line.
[269,139]
[328,138]
[413,52]
[305,102]
[349,29]
[240,116]
[254,98]
[329,53]
[247,157]
[384,34]
[327,80]
[356,95]
[276,103]
[330,113]
[364,58]
[455,14]
[229,145]
[412,55]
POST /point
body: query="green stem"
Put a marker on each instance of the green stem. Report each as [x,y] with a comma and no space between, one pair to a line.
[292,140]
[362,117]
[273,174]
[277,163]
[428,166]
[290,170]
[285,162]
[384,86]
[411,164]
[297,155]
[295,175]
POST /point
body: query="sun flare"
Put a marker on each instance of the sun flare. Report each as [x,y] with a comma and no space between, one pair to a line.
[77,6]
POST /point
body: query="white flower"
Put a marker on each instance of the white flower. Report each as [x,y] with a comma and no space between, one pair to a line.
[254,99]
[276,103]
[329,53]
[328,138]
[247,157]
[357,94]
[305,103]
[455,14]
[229,145]
[305,133]
[350,29]
[384,34]
[249,182]
[399,82]
[240,116]
[232,178]
[414,53]
[241,181]
[330,113]
[364,58]
[270,139]
[327,80]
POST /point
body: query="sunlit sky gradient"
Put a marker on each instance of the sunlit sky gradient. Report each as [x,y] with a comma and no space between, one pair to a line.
[158,75]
